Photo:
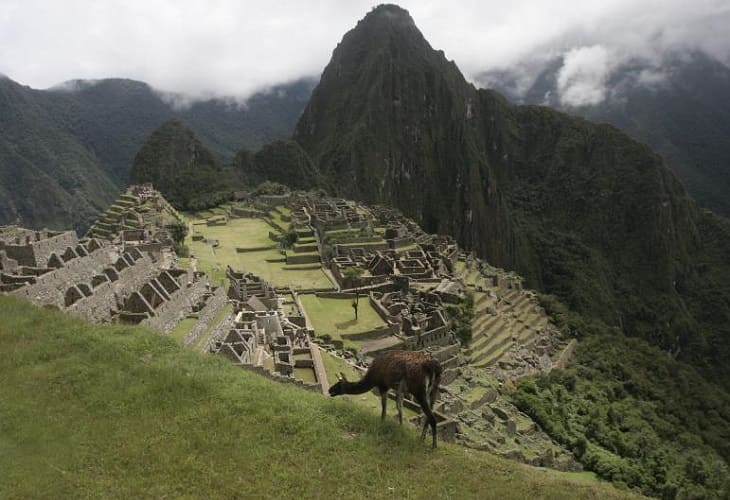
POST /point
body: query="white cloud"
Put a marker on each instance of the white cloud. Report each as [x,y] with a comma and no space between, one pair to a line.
[232,47]
[583,78]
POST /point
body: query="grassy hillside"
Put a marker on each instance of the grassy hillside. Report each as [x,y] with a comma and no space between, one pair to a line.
[111,411]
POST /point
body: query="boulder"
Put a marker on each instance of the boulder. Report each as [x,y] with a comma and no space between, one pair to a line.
[501,414]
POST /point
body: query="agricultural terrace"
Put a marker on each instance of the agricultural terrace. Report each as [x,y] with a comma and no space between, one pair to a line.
[336,317]
[245,245]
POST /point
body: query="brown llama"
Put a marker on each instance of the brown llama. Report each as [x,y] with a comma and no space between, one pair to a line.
[415,372]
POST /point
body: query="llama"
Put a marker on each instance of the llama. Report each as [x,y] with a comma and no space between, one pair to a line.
[415,372]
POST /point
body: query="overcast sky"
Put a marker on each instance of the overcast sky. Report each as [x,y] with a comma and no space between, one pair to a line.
[226,47]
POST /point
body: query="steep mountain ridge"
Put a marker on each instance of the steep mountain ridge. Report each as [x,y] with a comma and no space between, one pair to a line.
[580,209]
[66,152]
[683,112]
[46,176]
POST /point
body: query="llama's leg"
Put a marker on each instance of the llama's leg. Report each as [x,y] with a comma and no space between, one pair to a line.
[399,400]
[428,418]
[383,401]
[434,392]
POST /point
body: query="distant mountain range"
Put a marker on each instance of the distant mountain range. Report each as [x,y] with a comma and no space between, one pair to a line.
[681,109]
[66,152]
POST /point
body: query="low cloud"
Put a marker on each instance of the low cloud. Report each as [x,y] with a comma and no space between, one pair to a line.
[583,78]
[200,49]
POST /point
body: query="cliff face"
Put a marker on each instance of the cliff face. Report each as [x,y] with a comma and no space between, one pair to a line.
[580,209]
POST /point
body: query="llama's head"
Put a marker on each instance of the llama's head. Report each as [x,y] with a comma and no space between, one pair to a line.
[339,387]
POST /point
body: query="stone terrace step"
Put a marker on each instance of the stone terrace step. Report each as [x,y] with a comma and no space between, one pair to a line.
[514,303]
[496,331]
[508,295]
[496,356]
[502,345]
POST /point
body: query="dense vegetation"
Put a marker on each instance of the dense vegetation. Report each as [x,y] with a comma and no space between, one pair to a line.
[283,162]
[94,411]
[66,153]
[182,169]
[633,414]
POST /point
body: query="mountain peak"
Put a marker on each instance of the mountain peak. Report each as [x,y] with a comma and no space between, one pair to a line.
[389,12]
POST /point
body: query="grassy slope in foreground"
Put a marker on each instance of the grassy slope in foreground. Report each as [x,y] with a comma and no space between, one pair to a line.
[113,411]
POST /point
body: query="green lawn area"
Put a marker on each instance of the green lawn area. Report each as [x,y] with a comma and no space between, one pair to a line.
[305,374]
[183,328]
[472,277]
[111,411]
[276,216]
[244,233]
[250,233]
[336,316]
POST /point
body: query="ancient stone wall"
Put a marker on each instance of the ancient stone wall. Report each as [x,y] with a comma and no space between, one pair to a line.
[107,295]
[206,315]
[50,288]
[169,313]
[34,248]
[279,378]
[7,264]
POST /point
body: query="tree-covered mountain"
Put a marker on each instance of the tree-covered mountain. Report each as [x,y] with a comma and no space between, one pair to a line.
[681,109]
[582,210]
[284,162]
[182,168]
[66,152]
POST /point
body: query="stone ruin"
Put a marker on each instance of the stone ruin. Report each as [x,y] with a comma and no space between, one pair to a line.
[259,336]
[97,280]
[141,217]
[417,318]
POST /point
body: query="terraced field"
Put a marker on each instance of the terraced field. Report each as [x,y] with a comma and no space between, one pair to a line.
[244,244]
[502,317]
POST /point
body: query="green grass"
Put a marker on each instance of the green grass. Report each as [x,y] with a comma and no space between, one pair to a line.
[276,217]
[183,328]
[250,233]
[105,411]
[283,210]
[305,374]
[336,316]
[460,267]
[244,233]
